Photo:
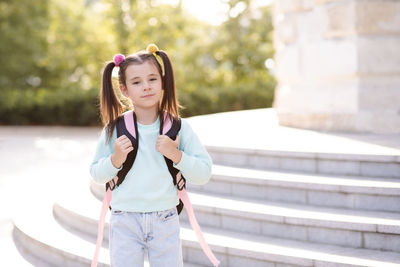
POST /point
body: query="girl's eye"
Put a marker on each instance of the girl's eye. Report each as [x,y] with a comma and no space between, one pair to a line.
[153,79]
[136,82]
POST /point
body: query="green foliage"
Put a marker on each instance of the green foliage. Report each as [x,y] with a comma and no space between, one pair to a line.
[55,51]
[23,28]
[51,107]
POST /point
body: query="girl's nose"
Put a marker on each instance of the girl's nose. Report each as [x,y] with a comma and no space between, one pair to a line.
[146,85]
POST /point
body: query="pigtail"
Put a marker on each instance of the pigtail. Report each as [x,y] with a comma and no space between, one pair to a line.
[110,106]
[169,102]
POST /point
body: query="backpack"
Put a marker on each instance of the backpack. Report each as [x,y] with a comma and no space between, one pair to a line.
[127,125]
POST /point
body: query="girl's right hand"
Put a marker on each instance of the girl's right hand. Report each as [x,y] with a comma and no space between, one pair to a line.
[122,146]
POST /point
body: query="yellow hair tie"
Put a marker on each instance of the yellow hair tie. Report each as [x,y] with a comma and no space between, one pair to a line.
[152,49]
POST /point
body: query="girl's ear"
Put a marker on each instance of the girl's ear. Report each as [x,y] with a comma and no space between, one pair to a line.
[123,89]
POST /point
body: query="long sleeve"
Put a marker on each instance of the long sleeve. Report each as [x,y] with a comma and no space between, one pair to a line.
[196,163]
[101,169]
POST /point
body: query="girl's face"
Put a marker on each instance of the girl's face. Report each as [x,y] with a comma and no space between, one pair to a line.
[143,85]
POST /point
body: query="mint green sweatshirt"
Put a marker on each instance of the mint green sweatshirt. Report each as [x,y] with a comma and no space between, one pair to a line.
[148,186]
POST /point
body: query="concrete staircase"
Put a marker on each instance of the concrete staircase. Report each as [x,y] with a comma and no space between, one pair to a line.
[252,217]
[261,208]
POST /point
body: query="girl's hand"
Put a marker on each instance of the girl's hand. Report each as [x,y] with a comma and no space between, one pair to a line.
[169,148]
[122,146]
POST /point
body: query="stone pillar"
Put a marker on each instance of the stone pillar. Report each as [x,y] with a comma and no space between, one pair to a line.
[338,64]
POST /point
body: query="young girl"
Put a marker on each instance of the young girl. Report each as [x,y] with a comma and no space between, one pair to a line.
[143,207]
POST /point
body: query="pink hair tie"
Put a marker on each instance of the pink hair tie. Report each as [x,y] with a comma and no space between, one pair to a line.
[118,58]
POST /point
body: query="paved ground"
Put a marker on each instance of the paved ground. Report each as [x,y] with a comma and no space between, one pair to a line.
[37,161]
[259,129]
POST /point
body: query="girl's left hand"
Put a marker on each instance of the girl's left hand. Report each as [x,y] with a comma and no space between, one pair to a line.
[169,148]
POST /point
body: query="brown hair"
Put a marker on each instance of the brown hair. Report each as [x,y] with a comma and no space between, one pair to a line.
[111,107]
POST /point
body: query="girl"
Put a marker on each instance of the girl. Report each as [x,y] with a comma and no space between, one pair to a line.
[143,207]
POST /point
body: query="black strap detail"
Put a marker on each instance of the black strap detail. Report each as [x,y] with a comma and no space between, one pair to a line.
[130,159]
[181,183]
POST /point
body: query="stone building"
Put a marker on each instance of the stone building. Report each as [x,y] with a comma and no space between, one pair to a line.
[338,64]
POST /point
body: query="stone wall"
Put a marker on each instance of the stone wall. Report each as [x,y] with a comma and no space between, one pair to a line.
[338,64]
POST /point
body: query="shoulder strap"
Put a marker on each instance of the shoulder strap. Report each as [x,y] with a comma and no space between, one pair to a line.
[171,128]
[126,125]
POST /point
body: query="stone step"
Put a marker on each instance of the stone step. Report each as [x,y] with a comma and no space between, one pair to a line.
[239,249]
[12,255]
[37,231]
[351,228]
[349,192]
[387,166]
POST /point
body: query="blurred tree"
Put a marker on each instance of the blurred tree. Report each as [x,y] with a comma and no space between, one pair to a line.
[119,13]
[231,63]
[55,67]
[23,46]
[79,41]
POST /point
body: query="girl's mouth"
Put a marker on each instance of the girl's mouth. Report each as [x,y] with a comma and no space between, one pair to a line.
[150,95]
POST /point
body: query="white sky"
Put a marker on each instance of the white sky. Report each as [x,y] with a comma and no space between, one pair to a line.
[211,11]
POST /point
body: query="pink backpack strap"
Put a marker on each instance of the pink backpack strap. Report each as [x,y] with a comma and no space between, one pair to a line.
[129,122]
[104,208]
[167,123]
[188,205]
[130,126]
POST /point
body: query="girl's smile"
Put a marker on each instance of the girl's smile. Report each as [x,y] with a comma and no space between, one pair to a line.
[148,96]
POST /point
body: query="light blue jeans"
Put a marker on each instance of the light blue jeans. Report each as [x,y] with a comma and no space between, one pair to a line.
[131,233]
